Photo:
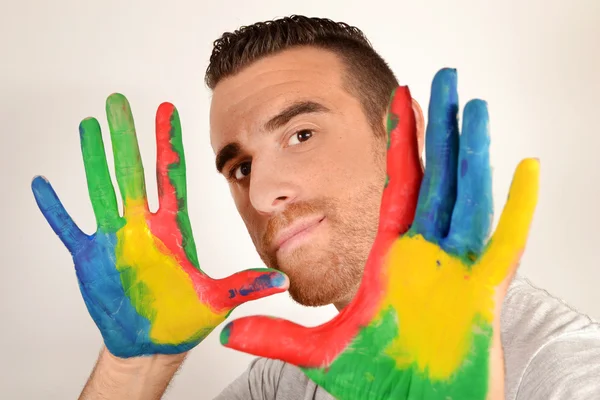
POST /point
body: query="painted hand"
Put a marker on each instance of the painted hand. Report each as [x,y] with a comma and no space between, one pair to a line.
[139,273]
[424,320]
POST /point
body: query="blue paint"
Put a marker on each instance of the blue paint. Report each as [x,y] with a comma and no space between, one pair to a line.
[125,332]
[263,282]
[455,205]
[81,131]
[276,279]
[464,167]
[472,217]
[438,189]
[56,215]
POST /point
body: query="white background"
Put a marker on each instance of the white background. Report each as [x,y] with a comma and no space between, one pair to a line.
[535,62]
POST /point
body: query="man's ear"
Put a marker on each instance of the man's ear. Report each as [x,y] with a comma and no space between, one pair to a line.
[420,120]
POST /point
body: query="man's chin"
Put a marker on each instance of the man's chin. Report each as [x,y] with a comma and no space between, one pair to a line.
[320,289]
[303,298]
[317,277]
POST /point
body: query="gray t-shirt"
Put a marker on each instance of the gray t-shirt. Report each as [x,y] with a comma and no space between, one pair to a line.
[551,352]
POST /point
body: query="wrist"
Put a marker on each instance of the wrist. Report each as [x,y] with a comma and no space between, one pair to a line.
[142,364]
[144,377]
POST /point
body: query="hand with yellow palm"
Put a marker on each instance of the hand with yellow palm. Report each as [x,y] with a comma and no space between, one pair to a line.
[425,321]
[139,272]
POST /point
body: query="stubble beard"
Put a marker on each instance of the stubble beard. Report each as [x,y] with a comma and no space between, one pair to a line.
[325,273]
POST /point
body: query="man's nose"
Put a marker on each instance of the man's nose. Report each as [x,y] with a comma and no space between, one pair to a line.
[272,187]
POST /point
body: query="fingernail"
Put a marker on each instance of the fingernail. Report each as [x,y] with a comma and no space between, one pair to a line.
[278,279]
[225,333]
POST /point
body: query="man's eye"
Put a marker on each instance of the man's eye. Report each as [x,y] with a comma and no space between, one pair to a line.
[300,136]
[241,171]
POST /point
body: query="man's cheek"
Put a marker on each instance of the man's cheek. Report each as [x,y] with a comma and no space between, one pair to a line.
[254,227]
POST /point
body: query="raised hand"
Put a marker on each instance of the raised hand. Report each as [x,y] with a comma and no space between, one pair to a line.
[139,273]
[425,321]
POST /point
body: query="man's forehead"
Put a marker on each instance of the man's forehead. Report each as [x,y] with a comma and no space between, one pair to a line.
[249,98]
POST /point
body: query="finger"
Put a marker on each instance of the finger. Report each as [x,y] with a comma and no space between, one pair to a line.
[249,285]
[279,339]
[171,179]
[508,242]
[56,215]
[438,189]
[170,165]
[100,187]
[128,162]
[404,171]
[473,212]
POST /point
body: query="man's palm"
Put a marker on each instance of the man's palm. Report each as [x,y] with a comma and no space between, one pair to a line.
[139,273]
[422,323]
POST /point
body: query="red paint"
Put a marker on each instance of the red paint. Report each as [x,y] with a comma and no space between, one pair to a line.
[165,156]
[319,346]
[163,224]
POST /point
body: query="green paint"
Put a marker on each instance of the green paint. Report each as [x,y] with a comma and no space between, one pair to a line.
[189,245]
[100,187]
[263,270]
[383,380]
[392,123]
[137,291]
[177,177]
[177,170]
[128,162]
[225,333]
[200,335]
[141,298]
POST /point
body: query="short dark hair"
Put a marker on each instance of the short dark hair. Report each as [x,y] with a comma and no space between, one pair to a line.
[368,77]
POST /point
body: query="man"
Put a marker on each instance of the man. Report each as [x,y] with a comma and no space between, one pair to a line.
[298,129]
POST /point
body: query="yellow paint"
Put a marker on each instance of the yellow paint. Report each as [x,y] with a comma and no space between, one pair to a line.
[177,313]
[437,304]
[511,234]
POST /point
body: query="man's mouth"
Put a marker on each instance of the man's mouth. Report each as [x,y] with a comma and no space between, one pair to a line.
[299,231]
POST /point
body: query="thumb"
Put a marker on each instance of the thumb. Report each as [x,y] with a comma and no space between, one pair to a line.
[251,284]
[281,339]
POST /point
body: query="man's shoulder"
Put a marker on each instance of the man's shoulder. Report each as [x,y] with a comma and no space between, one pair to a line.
[532,313]
[538,327]
[286,378]
[272,379]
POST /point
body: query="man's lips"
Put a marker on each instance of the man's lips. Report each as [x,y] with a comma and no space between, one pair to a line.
[296,229]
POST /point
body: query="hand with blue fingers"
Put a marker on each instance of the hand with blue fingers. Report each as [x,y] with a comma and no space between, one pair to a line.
[425,321]
[139,273]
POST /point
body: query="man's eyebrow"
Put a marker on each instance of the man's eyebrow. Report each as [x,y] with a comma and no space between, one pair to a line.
[302,107]
[229,152]
[233,149]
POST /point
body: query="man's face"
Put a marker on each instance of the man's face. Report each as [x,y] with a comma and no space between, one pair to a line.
[305,168]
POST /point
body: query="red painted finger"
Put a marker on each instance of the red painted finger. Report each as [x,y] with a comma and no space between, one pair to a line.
[248,285]
[170,163]
[282,340]
[398,204]
[404,170]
